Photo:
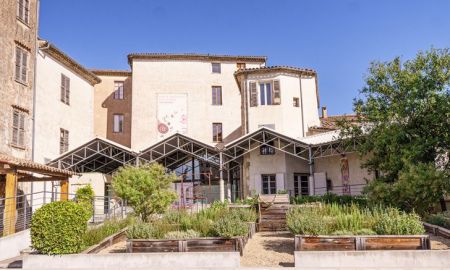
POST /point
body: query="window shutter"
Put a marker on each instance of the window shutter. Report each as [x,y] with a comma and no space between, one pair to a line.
[18,63]
[26,10]
[20,9]
[15,128]
[253,95]
[63,87]
[67,84]
[24,66]
[276,93]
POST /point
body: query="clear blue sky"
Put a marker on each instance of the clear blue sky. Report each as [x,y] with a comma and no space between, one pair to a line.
[338,38]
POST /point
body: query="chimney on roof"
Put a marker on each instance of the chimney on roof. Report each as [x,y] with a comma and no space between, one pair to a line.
[324,112]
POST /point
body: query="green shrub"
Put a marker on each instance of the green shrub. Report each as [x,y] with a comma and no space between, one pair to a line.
[229,226]
[440,219]
[365,232]
[245,214]
[140,230]
[331,198]
[85,196]
[306,220]
[58,228]
[248,201]
[97,234]
[203,225]
[189,234]
[395,222]
[146,188]
[341,233]
[334,219]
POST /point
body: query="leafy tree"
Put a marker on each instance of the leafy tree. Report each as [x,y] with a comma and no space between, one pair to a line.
[404,129]
[146,188]
[85,196]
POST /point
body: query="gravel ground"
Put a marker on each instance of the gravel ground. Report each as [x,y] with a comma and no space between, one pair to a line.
[120,247]
[438,242]
[269,249]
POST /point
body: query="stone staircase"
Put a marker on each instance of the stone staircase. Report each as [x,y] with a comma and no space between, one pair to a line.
[272,212]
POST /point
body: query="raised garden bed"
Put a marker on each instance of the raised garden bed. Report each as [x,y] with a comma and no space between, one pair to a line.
[363,242]
[207,244]
[109,241]
[437,230]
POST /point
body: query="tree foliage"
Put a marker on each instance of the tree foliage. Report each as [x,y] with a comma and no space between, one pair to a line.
[85,196]
[404,113]
[146,188]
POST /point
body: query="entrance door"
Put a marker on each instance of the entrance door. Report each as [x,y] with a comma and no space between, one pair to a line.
[301,185]
[269,184]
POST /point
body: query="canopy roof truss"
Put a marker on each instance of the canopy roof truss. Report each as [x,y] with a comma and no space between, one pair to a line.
[176,149]
[97,155]
[333,148]
[265,137]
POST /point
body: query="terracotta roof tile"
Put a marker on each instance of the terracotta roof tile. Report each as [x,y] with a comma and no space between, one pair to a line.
[59,55]
[25,164]
[196,56]
[277,68]
[110,72]
[331,122]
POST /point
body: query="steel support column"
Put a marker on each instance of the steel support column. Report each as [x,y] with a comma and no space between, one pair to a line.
[311,169]
[221,181]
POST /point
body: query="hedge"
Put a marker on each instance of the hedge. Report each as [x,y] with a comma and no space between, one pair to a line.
[58,228]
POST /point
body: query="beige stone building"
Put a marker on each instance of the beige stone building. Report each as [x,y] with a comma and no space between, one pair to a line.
[18,32]
[229,126]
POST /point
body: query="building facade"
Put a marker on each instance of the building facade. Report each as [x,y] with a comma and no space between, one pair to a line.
[17,72]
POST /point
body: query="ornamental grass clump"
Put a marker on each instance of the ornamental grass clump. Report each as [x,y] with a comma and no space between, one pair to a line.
[189,234]
[244,214]
[229,226]
[334,219]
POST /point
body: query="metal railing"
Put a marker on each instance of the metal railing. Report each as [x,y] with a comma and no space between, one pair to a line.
[103,208]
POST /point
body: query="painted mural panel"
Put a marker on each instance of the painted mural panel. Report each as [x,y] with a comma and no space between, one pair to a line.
[171,114]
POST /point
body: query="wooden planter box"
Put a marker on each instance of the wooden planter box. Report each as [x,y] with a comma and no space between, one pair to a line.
[437,230]
[363,242]
[251,229]
[207,244]
[109,241]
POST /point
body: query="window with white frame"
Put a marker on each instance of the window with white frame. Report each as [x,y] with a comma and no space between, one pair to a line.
[265,93]
[118,90]
[217,132]
[268,184]
[118,123]
[216,95]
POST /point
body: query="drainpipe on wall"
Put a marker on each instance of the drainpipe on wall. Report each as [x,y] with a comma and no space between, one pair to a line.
[301,106]
[36,48]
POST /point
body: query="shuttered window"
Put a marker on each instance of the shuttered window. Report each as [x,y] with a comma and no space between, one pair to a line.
[18,128]
[23,10]
[216,95]
[65,89]
[240,66]
[21,65]
[217,132]
[253,95]
[63,140]
[276,93]
[118,90]
[296,102]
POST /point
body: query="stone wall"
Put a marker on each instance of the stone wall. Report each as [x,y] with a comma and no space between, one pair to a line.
[14,33]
